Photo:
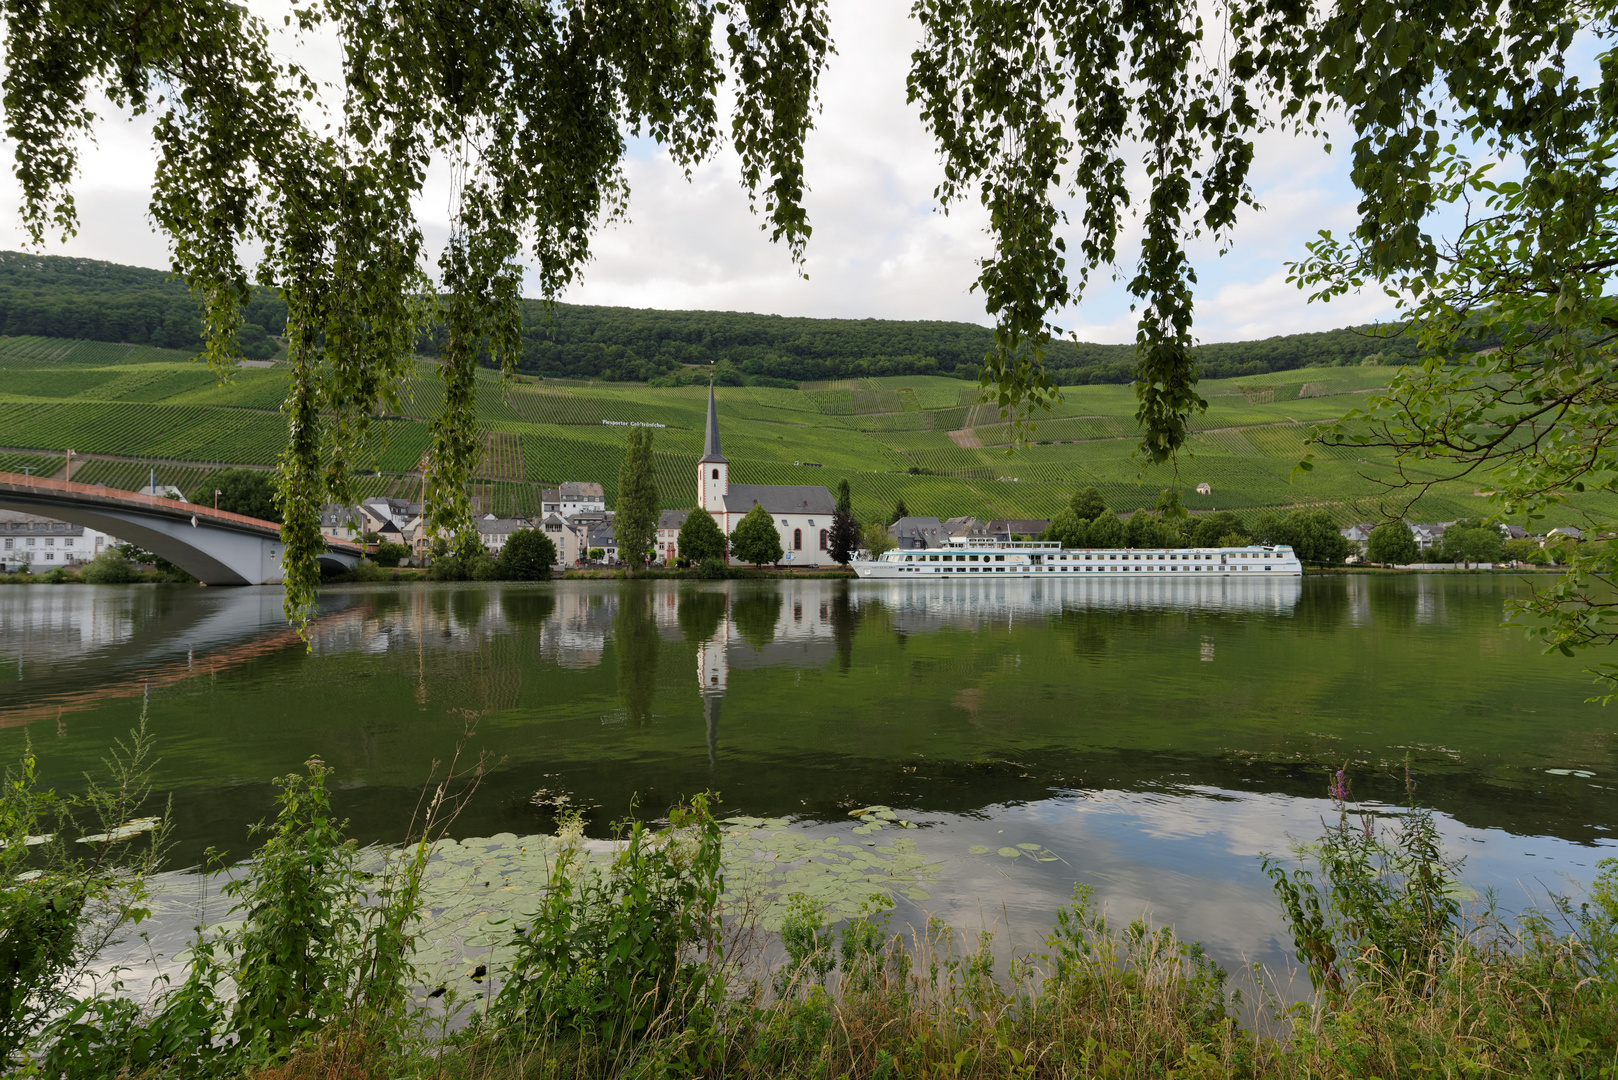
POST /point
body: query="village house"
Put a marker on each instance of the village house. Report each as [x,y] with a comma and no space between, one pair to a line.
[569,548]
[40,543]
[493,532]
[919,532]
[669,524]
[1028,528]
[967,528]
[581,499]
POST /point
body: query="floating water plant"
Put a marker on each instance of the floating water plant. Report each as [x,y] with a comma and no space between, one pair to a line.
[122,832]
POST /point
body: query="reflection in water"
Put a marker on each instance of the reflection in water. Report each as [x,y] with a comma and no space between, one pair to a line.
[1154,733]
[635,641]
[757,616]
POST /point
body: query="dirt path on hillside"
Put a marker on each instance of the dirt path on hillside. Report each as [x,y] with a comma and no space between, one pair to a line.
[966,439]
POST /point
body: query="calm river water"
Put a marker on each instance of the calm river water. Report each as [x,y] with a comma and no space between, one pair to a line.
[1154,737]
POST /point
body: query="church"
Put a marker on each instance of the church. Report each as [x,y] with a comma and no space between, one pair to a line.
[802,514]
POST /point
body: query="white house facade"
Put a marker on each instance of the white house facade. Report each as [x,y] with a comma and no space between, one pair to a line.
[43,544]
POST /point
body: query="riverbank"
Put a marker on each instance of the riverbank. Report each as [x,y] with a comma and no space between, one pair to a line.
[1406,571]
[407,575]
[731,573]
[628,963]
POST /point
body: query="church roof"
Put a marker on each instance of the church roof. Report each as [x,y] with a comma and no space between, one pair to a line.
[779,499]
[710,445]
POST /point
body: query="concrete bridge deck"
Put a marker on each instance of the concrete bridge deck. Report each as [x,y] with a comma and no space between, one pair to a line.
[218,547]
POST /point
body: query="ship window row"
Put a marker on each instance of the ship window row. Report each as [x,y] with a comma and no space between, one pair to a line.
[1115,555]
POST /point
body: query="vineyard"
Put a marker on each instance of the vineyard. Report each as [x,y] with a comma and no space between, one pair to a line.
[28,352]
[38,464]
[143,405]
[502,457]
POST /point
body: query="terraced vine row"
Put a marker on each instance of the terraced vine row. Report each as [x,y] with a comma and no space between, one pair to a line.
[502,457]
[41,464]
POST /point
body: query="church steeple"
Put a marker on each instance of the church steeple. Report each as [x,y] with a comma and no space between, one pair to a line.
[711,444]
[713,471]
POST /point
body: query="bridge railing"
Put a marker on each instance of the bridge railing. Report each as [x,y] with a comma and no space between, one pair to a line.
[161,503]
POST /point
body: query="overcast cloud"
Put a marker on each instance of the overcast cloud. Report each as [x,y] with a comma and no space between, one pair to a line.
[880,249]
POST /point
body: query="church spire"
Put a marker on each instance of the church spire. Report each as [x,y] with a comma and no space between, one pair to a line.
[711,444]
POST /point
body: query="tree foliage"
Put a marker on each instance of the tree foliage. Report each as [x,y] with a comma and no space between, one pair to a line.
[57,296]
[1391,544]
[528,106]
[1212,530]
[1472,542]
[700,537]
[1312,534]
[844,539]
[876,539]
[241,491]
[1055,98]
[634,522]
[755,540]
[528,555]
[1087,503]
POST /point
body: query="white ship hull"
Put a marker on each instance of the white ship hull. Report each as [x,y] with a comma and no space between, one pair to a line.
[1035,560]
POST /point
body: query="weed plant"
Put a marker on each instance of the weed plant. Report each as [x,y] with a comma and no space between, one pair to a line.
[634,969]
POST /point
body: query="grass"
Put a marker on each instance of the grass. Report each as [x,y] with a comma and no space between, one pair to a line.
[142,403]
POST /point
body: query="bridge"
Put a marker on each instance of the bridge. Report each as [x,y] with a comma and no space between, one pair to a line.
[215,546]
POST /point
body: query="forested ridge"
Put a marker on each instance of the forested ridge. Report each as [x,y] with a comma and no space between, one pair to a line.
[56,296]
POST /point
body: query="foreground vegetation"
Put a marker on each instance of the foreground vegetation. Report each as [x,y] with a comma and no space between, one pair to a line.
[638,961]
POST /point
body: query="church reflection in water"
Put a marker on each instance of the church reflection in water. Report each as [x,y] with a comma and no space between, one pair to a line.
[713,674]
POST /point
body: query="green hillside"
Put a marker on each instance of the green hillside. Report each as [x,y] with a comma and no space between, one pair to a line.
[127,409]
[60,297]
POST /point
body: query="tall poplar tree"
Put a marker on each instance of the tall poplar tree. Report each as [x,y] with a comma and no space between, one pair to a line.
[845,529]
[634,522]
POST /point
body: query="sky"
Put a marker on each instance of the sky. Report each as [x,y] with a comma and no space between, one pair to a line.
[880,247]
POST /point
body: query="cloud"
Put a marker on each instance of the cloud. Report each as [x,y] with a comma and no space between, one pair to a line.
[880,247]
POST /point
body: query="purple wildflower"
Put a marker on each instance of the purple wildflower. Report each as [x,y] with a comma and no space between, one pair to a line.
[1339,788]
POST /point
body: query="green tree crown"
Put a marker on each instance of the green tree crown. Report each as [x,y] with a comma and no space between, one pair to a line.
[754,540]
[241,491]
[700,537]
[1391,544]
[528,555]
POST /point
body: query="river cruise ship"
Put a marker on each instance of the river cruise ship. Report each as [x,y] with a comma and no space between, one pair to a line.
[979,558]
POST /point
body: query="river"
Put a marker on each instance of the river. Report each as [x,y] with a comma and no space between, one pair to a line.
[1149,739]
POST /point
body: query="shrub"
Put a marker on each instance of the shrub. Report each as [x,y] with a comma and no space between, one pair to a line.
[529,555]
[56,920]
[1384,908]
[390,555]
[108,568]
[367,571]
